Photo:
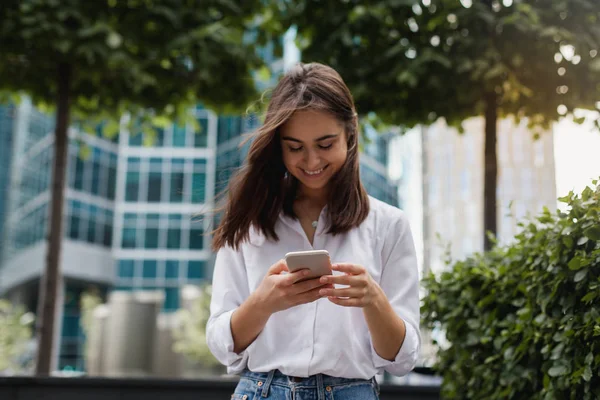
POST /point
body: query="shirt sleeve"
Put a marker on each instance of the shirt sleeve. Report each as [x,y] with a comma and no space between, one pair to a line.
[229,290]
[400,282]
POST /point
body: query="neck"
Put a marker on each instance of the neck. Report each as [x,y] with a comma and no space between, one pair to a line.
[315,197]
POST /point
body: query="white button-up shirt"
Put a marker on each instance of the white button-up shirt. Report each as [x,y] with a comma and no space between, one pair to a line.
[320,337]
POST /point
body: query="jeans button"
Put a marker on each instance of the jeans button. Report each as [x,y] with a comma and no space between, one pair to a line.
[328,388]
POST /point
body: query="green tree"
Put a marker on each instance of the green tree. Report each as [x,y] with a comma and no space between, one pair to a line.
[412,62]
[523,321]
[15,333]
[96,60]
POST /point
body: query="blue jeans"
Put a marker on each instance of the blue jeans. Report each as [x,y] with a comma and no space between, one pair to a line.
[276,386]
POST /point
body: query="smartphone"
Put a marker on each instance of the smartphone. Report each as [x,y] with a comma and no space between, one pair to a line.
[317,261]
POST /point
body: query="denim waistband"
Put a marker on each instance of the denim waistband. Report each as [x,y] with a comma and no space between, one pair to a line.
[316,381]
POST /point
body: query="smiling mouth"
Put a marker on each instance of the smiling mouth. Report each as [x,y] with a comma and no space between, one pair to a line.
[314,173]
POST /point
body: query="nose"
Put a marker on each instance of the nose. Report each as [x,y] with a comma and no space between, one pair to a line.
[312,160]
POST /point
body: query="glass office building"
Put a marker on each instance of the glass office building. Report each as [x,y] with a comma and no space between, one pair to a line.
[129,214]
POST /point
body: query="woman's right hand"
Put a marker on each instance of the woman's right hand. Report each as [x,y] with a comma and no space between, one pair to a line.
[278,292]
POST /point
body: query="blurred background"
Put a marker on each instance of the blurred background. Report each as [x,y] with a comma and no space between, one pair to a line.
[136,263]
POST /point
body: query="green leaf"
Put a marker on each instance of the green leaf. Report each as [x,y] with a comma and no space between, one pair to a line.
[558,371]
[575,263]
[85,152]
[114,40]
[264,74]
[589,358]
[111,129]
[587,374]
[582,240]
[580,275]
[589,297]
[593,233]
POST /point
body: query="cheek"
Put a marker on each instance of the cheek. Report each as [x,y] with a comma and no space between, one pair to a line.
[340,156]
[289,159]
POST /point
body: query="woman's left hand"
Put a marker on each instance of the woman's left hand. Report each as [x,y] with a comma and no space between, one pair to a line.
[362,290]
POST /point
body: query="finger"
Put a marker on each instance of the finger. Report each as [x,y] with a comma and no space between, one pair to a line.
[350,280]
[345,292]
[296,276]
[310,284]
[353,269]
[278,268]
[307,297]
[352,302]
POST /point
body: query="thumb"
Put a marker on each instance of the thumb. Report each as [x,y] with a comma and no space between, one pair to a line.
[278,267]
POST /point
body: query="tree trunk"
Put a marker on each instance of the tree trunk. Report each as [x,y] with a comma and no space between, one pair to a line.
[52,279]
[490,170]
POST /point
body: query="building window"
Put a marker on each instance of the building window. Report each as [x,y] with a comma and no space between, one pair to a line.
[74,222]
[132,186]
[135,139]
[151,241]
[196,270]
[126,269]
[172,269]
[149,269]
[79,170]
[171,299]
[96,168]
[112,178]
[91,232]
[177,179]
[129,238]
[173,238]
[107,238]
[196,239]
[179,135]
[198,187]
[154,187]
[201,137]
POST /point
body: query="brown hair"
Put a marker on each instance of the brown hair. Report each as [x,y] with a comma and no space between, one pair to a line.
[261,189]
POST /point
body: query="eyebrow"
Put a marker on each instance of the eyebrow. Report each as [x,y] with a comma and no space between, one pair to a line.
[291,139]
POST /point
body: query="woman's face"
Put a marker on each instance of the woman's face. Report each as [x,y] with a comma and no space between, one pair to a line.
[314,147]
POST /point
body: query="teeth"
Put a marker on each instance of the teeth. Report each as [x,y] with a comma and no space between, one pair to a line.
[314,172]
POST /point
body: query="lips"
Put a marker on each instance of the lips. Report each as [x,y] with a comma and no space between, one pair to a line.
[314,173]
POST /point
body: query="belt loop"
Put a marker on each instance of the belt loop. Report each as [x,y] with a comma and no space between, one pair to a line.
[265,389]
[320,387]
[376,384]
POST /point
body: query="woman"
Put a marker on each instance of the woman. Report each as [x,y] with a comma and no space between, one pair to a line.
[300,190]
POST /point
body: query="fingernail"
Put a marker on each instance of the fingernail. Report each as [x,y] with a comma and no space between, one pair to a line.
[305,273]
[323,280]
[322,292]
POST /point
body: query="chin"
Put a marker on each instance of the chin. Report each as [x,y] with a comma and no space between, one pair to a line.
[314,185]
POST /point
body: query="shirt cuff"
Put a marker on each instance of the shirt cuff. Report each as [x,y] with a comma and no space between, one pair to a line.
[407,356]
[222,348]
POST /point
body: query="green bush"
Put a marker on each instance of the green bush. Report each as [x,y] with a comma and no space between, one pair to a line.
[15,334]
[523,321]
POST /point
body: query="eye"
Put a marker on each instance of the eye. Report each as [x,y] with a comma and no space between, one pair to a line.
[326,147]
[295,149]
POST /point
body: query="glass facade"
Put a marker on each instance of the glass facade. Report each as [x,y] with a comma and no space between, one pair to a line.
[164,247]
[6,145]
[95,173]
[378,185]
